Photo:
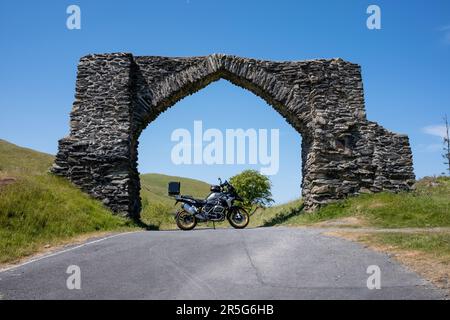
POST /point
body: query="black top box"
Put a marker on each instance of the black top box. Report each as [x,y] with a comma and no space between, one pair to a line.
[174,188]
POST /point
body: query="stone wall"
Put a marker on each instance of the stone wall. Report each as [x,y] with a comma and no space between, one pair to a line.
[118,95]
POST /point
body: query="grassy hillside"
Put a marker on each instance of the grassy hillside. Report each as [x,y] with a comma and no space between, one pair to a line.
[16,160]
[38,209]
[427,206]
[154,187]
[42,210]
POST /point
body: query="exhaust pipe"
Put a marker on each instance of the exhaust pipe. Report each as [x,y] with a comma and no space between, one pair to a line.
[191,209]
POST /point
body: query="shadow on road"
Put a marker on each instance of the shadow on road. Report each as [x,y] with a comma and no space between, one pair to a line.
[283,216]
[148,227]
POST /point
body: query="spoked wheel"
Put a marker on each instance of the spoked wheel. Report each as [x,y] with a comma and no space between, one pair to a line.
[239,218]
[185,220]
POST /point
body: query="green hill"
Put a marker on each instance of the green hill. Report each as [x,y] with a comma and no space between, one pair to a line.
[16,160]
[154,187]
[38,209]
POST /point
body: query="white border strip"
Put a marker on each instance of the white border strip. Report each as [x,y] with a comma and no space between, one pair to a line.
[64,251]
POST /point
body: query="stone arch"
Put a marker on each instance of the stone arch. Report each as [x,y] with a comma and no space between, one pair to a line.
[118,95]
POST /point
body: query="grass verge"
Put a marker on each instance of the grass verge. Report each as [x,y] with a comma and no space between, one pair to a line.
[425,207]
[41,210]
[436,245]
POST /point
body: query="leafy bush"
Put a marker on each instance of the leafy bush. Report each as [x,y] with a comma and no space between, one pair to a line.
[253,187]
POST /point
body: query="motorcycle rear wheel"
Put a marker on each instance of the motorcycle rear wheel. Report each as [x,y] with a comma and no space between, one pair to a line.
[185,220]
[239,218]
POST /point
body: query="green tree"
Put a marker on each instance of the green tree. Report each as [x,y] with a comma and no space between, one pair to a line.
[253,187]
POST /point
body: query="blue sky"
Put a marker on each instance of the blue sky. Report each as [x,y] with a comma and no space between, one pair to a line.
[406,68]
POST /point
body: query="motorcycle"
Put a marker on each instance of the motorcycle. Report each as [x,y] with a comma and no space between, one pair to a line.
[218,206]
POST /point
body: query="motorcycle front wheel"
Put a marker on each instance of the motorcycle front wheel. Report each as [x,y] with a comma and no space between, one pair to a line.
[185,220]
[239,218]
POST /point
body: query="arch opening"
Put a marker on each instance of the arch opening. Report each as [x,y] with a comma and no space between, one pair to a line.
[142,99]
[220,106]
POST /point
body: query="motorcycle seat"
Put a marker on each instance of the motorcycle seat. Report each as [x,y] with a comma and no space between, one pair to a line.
[199,201]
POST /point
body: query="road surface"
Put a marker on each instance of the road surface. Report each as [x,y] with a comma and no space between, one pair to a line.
[262,263]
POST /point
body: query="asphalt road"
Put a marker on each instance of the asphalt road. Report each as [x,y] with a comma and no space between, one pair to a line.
[263,263]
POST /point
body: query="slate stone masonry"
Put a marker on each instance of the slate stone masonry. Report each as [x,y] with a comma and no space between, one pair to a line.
[118,95]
